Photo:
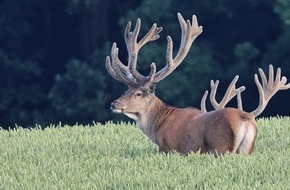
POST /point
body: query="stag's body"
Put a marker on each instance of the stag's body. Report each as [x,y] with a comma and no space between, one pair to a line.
[188,129]
[228,130]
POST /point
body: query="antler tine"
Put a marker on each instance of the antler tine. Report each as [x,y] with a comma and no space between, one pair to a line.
[117,69]
[189,31]
[152,73]
[268,89]
[111,70]
[133,46]
[152,35]
[230,93]
[239,99]
[202,104]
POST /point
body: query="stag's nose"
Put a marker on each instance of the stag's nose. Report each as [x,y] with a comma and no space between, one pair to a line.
[114,105]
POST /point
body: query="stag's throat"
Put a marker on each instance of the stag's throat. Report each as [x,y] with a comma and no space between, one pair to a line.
[131,115]
[143,124]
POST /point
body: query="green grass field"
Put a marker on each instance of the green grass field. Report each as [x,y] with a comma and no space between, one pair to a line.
[119,156]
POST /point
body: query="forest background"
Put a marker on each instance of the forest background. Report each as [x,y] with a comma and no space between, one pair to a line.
[52,54]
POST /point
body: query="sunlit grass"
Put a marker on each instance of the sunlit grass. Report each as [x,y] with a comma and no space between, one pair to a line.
[119,156]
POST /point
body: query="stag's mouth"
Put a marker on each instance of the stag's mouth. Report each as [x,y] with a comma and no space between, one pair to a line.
[117,110]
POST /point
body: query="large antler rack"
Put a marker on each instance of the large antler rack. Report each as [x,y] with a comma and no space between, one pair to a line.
[268,88]
[128,74]
[266,91]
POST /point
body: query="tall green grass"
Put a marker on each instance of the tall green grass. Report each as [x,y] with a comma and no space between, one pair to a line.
[119,156]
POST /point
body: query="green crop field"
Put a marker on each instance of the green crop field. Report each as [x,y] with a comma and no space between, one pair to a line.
[119,156]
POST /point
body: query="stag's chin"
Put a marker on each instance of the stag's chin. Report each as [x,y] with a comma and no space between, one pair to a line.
[116,110]
[131,115]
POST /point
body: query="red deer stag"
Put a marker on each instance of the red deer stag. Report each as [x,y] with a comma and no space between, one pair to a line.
[188,129]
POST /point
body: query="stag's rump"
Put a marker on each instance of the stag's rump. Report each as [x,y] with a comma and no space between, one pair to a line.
[218,132]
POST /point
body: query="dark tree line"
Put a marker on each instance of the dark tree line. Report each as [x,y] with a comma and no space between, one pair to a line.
[52,54]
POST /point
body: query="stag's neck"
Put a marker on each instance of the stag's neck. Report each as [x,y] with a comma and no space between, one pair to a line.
[150,120]
[158,115]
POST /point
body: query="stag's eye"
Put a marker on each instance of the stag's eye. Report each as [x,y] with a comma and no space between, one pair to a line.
[138,93]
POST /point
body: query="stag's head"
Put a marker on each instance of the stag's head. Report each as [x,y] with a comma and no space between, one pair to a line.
[137,99]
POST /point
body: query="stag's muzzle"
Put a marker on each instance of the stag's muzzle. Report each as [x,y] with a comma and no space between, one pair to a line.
[116,107]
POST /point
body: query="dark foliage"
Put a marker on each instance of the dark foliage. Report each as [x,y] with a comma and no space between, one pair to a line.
[52,54]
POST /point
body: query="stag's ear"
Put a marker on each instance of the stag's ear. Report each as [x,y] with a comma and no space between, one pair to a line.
[152,88]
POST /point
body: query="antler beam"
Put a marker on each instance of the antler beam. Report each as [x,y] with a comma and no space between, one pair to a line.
[129,74]
[189,31]
[133,46]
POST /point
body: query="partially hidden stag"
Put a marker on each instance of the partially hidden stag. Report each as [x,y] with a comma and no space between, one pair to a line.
[186,129]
